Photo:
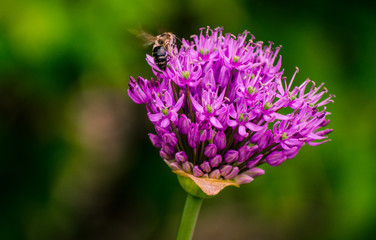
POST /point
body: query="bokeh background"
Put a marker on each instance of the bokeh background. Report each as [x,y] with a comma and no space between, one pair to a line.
[75,159]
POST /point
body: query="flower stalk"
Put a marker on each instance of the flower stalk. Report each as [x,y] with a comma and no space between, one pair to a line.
[188,219]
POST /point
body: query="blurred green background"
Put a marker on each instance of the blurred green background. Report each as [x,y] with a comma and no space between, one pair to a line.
[75,159]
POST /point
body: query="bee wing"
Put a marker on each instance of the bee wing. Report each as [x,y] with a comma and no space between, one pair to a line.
[146,38]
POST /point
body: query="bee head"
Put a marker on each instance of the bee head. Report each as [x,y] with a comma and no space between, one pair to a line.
[166,38]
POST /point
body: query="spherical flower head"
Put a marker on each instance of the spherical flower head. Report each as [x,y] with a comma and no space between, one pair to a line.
[222,108]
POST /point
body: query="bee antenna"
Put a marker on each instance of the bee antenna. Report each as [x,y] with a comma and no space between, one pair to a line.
[178,39]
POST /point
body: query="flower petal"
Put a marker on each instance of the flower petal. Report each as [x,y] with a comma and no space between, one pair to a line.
[215,122]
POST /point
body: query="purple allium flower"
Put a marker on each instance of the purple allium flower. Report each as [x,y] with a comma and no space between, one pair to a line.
[222,108]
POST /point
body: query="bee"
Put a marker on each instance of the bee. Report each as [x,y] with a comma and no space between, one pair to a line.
[162,44]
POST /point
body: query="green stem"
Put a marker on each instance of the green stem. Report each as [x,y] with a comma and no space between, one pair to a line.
[189,217]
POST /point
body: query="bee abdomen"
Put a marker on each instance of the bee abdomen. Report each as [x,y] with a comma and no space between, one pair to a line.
[159,51]
[160,58]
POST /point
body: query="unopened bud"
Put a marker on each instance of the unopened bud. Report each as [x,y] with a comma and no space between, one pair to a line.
[215,161]
[205,166]
[197,171]
[170,139]
[276,158]
[231,156]
[210,150]
[181,157]
[184,124]
[215,174]
[225,170]
[155,140]
[234,172]
[166,156]
[220,140]
[187,167]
